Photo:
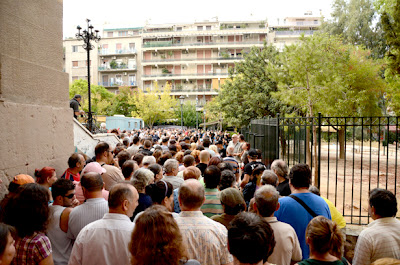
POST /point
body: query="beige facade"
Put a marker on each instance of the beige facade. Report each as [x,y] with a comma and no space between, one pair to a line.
[194,58]
[36,121]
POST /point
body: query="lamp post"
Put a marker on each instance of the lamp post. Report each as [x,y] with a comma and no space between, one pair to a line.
[88,35]
[181,98]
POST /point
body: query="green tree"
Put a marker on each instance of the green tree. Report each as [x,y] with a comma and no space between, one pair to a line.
[321,74]
[246,94]
[102,99]
[123,101]
[356,21]
[152,105]
[189,114]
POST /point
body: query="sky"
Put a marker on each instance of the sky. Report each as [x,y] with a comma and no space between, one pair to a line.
[134,13]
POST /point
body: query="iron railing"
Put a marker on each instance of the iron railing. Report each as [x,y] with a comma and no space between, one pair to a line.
[349,155]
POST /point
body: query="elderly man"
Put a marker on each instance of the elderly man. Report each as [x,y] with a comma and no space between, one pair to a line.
[287,247]
[381,239]
[171,169]
[281,170]
[94,207]
[236,146]
[232,161]
[104,156]
[206,240]
[293,209]
[76,163]
[105,241]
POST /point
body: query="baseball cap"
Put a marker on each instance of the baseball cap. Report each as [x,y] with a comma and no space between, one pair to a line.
[93,167]
[252,153]
[22,179]
[231,197]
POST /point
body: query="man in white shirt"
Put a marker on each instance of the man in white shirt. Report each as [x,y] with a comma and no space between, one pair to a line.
[92,209]
[287,246]
[382,237]
[106,241]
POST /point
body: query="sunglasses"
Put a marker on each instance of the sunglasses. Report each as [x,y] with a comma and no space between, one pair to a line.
[70,196]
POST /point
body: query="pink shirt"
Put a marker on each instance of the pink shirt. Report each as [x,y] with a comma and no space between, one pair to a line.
[79,193]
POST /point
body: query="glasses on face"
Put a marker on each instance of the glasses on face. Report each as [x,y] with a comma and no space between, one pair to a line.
[70,196]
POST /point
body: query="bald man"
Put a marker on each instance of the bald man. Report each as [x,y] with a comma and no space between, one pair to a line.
[205,238]
[204,159]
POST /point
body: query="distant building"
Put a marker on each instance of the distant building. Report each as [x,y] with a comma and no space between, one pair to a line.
[194,58]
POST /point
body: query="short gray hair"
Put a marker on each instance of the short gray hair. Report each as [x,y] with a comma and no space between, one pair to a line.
[141,178]
[170,165]
[148,160]
[280,168]
[269,177]
[266,199]
[230,150]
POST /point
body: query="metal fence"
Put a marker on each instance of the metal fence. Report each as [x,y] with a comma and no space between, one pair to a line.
[349,156]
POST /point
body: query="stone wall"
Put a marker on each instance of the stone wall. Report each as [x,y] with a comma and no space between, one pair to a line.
[36,128]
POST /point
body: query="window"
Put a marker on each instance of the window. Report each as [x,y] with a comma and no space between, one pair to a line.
[118,46]
[110,34]
[75,48]
[74,64]
[131,46]
[199,27]
[179,29]
[122,33]
[208,27]
[74,78]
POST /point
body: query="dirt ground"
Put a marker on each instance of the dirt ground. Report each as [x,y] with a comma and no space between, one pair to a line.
[373,168]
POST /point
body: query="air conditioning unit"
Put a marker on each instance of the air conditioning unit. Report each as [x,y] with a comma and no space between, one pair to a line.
[114,57]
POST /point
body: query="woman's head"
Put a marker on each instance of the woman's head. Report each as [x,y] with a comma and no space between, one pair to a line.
[157,170]
[156,237]
[161,192]
[7,248]
[324,236]
[30,203]
[46,175]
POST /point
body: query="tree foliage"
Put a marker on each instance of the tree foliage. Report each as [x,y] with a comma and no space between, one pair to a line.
[189,114]
[356,22]
[102,99]
[152,105]
[123,101]
[246,94]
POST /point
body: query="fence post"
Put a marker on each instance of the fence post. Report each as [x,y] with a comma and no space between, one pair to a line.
[319,149]
[277,136]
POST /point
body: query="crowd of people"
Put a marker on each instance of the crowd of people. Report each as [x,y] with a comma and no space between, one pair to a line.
[184,197]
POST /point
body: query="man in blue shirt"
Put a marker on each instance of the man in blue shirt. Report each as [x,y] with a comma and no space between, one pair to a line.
[293,213]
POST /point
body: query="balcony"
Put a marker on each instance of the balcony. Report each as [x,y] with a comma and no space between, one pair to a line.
[194,59]
[165,75]
[116,52]
[117,84]
[118,68]
[153,44]
[193,91]
[294,33]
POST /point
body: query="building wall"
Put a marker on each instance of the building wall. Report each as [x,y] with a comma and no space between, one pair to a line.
[36,121]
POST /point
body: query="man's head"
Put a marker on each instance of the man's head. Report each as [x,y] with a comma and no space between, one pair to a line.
[91,182]
[280,168]
[63,192]
[206,142]
[241,137]
[204,157]
[123,199]
[141,178]
[269,177]
[122,157]
[212,176]
[171,167]
[191,172]
[382,203]
[228,179]
[266,200]
[250,238]
[235,138]
[188,160]
[191,195]
[252,155]
[230,151]
[78,98]
[103,153]
[300,176]
[148,160]
[147,144]
[76,161]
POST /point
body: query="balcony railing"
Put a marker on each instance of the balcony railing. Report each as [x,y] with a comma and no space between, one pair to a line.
[195,59]
[186,90]
[116,52]
[170,44]
[294,32]
[117,68]
[178,75]
[117,83]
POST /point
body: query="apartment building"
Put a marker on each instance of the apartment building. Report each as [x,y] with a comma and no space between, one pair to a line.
[194,58]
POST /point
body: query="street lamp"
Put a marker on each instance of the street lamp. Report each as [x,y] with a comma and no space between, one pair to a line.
[87,35]
[181,99]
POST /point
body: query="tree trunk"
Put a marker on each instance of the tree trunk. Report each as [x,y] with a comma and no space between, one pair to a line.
[342,135]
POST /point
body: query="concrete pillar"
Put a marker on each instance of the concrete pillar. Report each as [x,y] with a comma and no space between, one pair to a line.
[36,128]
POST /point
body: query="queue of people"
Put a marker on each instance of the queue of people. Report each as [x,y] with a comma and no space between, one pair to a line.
[183,197]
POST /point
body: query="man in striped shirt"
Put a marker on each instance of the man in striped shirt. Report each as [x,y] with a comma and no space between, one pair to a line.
[212,204]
